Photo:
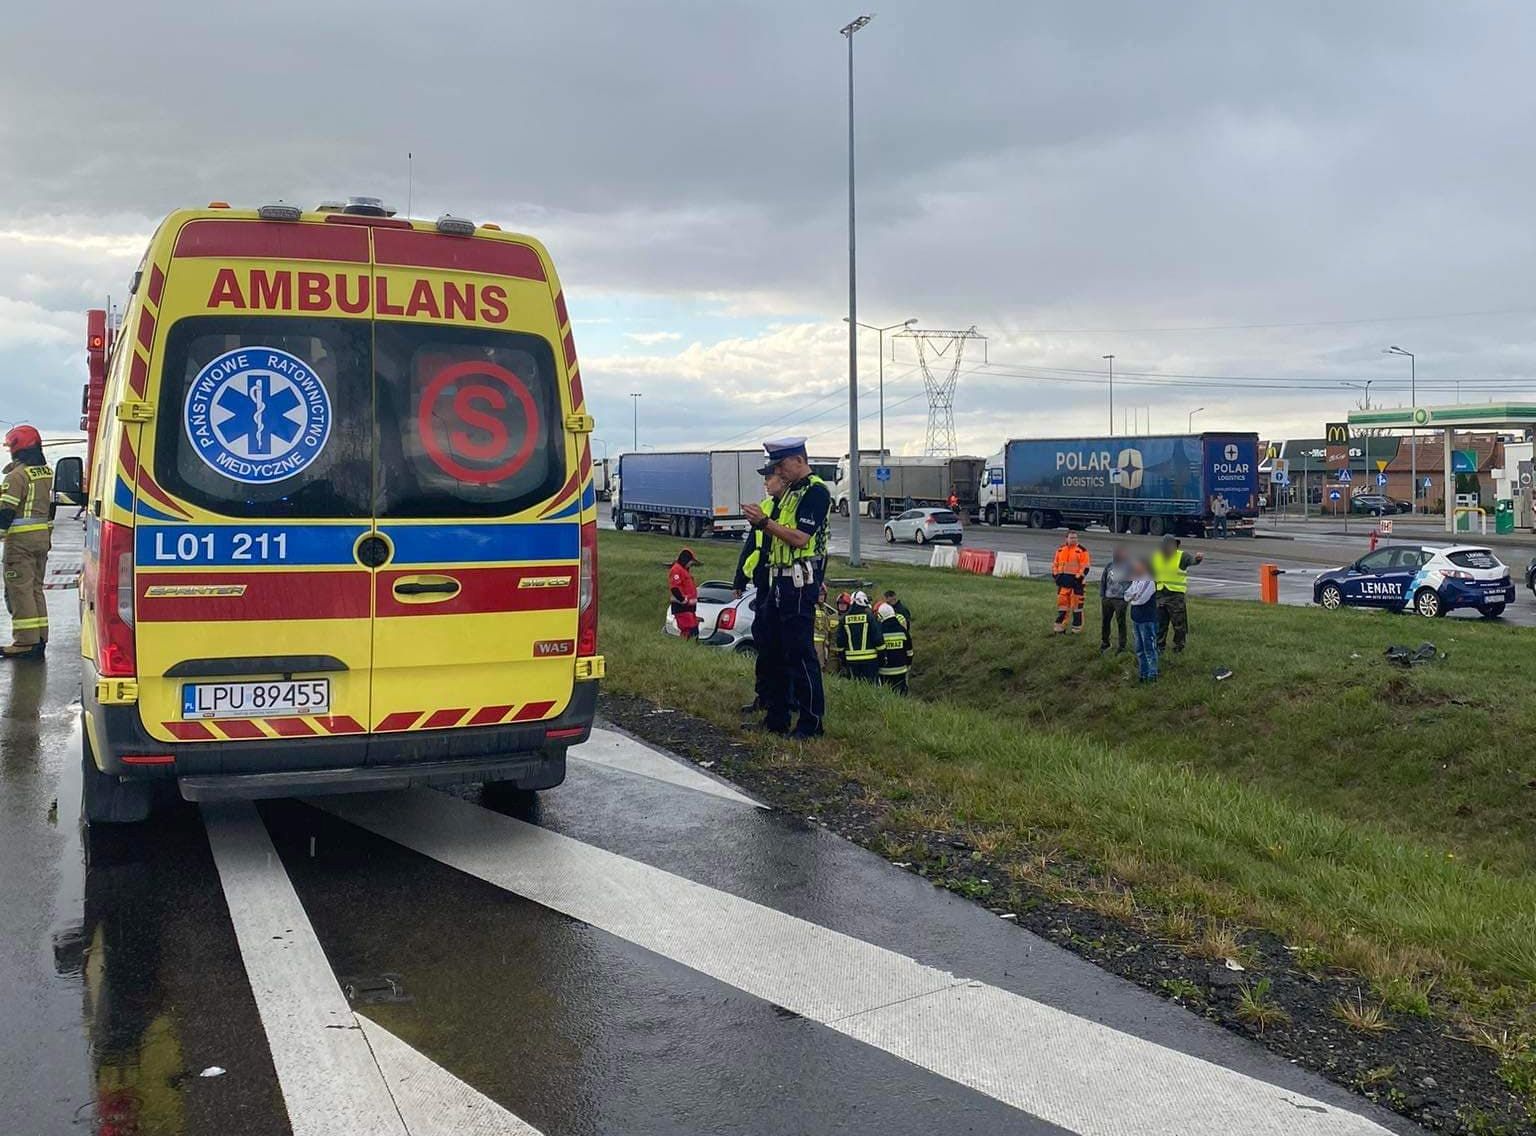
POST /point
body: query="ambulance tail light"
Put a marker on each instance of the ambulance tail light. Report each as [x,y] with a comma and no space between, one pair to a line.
[586,595]
[114,603]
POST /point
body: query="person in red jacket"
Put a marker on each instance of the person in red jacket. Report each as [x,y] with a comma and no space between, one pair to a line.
[684,594]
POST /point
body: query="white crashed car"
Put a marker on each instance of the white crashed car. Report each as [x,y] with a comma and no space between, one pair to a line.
[724,620]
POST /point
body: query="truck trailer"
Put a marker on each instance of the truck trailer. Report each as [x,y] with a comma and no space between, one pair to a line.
[1152,484]
[922,480]
[687,494]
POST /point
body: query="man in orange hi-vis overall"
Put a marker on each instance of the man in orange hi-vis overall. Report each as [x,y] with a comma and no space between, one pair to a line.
[1069,567]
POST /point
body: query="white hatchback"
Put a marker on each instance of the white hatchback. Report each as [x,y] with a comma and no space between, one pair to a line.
[924,525]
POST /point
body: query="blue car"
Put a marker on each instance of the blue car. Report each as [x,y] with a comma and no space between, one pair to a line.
[1426,579]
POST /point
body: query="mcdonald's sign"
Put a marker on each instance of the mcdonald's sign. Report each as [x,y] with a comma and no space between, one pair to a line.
[1336,445]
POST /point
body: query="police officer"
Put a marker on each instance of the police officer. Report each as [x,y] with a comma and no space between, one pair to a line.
[895,648]
[752,569]
[797,560]
[859,639]
[26,521]
[1170,571]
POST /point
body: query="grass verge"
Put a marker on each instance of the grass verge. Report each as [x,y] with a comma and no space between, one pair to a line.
[1376,819]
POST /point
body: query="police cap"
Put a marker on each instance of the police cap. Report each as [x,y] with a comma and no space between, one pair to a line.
[780,448]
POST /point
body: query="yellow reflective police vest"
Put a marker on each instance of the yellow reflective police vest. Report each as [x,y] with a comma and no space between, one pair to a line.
[29,490]
[782,554]
[757,537]
[856,635]
[1168,572]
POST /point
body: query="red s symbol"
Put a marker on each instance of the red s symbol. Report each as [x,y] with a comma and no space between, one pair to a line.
[466,405]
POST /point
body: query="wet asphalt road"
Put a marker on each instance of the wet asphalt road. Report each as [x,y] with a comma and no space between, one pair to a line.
[643,950]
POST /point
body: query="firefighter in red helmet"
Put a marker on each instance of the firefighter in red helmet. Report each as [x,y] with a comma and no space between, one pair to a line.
[26,521]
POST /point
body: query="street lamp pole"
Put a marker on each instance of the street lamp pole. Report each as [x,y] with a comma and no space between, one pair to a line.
[635,403]
[853,321]
[1413,437]
[1189,427]
[1114,473]
[881,339]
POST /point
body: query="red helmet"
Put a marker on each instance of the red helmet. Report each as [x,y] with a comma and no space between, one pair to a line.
[22,437]
[844,600]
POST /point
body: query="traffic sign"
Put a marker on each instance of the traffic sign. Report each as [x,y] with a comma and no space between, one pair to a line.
[1381,479]
[1281,467]
[995,477]
[1334,494]
[882,473]
[1381,465]
[1281,478]
[1344,476]
[1427,483]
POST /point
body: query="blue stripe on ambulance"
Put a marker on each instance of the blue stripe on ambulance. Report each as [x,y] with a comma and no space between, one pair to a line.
[482,544]
[237,545]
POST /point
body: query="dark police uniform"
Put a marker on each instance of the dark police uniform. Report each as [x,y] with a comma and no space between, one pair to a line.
[795,577]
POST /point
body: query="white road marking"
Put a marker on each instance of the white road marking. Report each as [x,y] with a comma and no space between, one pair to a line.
[432,1101]
[619,751]
[1061,1068]
[336,1077]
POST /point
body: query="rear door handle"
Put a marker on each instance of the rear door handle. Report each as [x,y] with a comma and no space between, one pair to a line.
[426,589]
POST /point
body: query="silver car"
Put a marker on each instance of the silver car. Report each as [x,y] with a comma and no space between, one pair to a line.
[923,525]
[724,620]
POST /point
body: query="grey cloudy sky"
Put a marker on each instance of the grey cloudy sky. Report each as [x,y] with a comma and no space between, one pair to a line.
[1072,179]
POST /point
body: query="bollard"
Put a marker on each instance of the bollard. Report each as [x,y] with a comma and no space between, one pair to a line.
[1269,583]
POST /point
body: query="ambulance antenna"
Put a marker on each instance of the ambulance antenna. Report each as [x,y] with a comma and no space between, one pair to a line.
[410,180]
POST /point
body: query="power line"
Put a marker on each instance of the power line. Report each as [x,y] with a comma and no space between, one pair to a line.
[1270,326]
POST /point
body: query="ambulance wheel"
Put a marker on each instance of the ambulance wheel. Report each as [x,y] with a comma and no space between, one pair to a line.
[1427,603]
[1331,598]
[106,799]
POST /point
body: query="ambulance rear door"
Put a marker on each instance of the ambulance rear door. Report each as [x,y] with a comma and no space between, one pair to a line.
[476,609]
[250,483]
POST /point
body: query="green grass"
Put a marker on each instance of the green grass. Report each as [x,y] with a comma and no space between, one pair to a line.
[1376,817]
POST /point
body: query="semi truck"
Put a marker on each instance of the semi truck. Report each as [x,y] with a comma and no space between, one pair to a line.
[602,478]
[687,494]
[922,480]
[1152,484]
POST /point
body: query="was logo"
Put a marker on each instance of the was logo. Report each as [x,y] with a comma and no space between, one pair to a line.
[258,415]
[1231,452]
[1131,468]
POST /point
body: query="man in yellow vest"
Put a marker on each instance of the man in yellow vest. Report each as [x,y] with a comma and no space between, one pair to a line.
[797,563]
[1170,571]
[752,568]
[26,521]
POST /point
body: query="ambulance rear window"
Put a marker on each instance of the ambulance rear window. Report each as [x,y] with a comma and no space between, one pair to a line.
[470,421]
[267,416]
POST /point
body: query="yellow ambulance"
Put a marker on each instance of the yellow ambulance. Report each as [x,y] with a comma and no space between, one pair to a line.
[341,526]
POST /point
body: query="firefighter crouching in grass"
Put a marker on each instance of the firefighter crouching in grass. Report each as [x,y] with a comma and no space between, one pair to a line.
[826,623]
[1069,568]
[895,648]
[859,640]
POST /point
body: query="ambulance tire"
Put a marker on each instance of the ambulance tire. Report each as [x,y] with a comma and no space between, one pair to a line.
[105,799]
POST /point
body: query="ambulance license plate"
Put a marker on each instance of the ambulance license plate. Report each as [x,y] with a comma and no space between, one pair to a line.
[286,699]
